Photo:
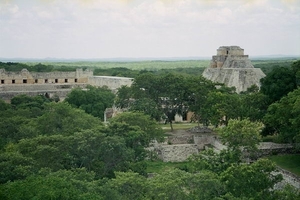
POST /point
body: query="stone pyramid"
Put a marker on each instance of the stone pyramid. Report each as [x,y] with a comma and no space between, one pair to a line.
[231,67]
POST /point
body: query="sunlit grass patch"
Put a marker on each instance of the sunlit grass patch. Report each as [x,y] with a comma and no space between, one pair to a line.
[160,166]
[178,126]
[288,162]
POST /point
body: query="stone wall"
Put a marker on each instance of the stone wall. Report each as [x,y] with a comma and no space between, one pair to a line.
[230,50]
[203,139]
[112,82]
[177,152]
[270,148]
[218,145]
[181,147]
[181,139]
[38,87]
[53,83]
[26,77]
[61,90]
[240,78]
[288,178]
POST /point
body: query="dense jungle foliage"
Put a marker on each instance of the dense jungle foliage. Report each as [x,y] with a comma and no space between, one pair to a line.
[63,150]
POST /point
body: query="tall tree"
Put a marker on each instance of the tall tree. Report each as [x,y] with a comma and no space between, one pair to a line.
[296,70]
[220,107]
[61,118]
[278,83]
[283,117]
[251,181]
[168,91]
[241,138]
[199,88]
[253,105]
[137,129]
[93,101]
[144,122]
[241,133]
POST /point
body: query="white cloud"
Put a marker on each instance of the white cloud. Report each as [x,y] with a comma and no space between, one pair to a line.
[146,28]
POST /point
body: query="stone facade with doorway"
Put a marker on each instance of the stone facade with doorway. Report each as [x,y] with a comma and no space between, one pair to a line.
[53,83]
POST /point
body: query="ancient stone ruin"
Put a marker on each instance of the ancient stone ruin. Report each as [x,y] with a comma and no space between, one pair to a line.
[231,67]
[181,144]
[53,83]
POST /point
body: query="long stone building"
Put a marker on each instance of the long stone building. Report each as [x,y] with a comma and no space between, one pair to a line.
[231,67]
[53,83]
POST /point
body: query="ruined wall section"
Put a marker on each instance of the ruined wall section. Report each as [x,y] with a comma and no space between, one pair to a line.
[226,53]
[218,61]
[230,50]
[112,82]
[237,61]
[53,83]
[241,79]
[26,77]
[62,94]
[179,148]
[178,152]
[7,92]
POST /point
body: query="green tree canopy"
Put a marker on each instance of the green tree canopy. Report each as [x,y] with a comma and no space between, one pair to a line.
[93,101]
[11,122]
[3,105]
[63,184]
[241,133]
[137,129]
[283,117]
[254,180]
[278,83]
[163,96]
[61,118]
[127,186]
[241,138]
[144,122]
[220,107]
[296,70]
[24,101]
[197,97]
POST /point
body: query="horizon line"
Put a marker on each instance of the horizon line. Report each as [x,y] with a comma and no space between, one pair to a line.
[174,58]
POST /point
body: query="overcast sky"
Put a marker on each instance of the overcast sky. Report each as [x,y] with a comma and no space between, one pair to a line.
[146,28]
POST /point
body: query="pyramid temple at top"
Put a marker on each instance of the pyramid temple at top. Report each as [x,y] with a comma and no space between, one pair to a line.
[231,67]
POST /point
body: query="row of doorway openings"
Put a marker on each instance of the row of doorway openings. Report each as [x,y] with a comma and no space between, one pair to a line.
[13,81]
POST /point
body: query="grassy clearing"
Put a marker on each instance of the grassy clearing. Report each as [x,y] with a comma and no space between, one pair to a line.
[178,126]
[288,162]
[160,167]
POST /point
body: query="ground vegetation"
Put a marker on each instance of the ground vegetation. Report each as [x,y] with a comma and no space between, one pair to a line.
[60,150]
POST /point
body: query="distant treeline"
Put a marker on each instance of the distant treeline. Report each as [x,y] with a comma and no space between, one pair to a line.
[133,69]
[125,72]
[16,67]
[268,65]
[116,71]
